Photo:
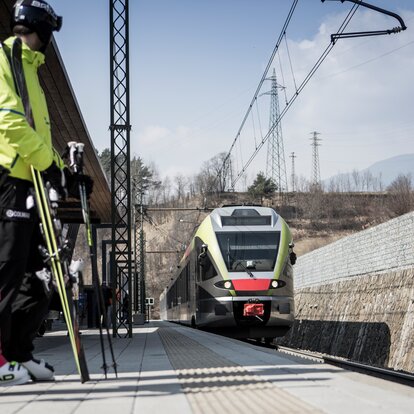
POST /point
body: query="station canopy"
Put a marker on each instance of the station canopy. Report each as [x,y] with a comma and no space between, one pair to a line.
[67,125]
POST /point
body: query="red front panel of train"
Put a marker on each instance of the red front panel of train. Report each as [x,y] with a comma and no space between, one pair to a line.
[251,284]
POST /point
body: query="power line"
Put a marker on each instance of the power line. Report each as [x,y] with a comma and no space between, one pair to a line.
[282,33]
[367,61]
[296,94]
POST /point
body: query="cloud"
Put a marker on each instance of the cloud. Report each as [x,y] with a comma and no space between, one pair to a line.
[153,135]
[175,150]
[358,99]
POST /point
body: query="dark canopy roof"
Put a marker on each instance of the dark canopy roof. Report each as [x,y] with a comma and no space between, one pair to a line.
[67,124]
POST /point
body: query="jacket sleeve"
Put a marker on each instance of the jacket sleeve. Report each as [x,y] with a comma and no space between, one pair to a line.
[15,131]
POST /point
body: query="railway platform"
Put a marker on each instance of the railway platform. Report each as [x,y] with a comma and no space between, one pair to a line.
[167,368]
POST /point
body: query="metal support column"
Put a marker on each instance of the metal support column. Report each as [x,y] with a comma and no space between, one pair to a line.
[116,283]
[120,151]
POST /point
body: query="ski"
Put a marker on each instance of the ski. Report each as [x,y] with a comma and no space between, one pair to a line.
[75,151]
[51,227]
[56,256]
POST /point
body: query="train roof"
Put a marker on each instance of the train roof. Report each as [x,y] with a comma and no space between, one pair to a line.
[231,218]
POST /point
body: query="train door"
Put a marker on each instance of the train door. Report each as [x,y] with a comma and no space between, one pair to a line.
[198,272]
[187,293]
[192,270]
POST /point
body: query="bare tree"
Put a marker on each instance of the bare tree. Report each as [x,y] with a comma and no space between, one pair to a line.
[154,193]
[166,190]
[211,178]
[181,184]
[357,180]
[401,199]
[302,184]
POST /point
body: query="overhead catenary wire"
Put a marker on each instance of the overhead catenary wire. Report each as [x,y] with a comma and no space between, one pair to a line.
[157,227]
[254,128]
[290,62]
[241,151]
[318,63]
[165,233]
[260,124]
[279,40]
[367,61]
[283,78]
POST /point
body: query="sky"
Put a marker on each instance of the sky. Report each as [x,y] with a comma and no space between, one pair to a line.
[196,64]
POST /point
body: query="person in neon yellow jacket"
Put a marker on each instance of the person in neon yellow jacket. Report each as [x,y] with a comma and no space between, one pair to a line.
[23,302]
[20,145]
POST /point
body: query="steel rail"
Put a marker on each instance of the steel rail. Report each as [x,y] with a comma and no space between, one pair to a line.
[404,378]
[384,373]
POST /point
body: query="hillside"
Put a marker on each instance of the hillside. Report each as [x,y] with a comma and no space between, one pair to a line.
[377,176]
[390,168]
[315,219]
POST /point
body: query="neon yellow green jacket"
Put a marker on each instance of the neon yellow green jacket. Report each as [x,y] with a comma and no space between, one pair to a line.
[20,145]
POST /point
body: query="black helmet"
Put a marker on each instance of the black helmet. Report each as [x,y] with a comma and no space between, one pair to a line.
[38,17]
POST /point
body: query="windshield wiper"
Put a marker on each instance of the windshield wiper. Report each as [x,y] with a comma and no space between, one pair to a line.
[245,269]
[230,257]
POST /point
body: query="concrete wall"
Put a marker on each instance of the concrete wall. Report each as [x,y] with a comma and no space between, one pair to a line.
[355,297]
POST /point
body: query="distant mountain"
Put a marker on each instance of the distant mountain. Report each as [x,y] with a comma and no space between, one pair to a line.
[384,172]
[390,168]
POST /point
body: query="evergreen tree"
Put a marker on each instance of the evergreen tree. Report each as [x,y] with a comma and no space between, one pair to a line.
[105,158]
[262,187]
[142,176]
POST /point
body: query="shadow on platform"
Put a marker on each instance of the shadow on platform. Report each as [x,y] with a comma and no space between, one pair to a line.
[365,342]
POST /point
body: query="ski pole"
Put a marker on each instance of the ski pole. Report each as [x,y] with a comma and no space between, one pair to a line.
[76,151]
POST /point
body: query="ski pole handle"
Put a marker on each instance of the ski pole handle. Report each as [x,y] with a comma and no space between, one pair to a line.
[80,147]
[72,156]
[80,151]
[76,151]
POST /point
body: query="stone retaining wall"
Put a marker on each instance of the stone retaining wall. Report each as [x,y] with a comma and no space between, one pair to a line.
[379,249]
[355,297]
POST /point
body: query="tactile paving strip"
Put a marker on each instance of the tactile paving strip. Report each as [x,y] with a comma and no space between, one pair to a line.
[214,384]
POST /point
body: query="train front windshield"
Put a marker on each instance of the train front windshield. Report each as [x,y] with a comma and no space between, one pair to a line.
[249,250]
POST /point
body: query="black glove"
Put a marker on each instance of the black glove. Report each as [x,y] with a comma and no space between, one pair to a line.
[55,176]
[73,182]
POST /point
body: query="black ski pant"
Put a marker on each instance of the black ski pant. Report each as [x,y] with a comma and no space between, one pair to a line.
[23,300]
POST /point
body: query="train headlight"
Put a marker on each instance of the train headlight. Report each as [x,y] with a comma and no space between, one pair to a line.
[276,284]
[227,284]
[224,284]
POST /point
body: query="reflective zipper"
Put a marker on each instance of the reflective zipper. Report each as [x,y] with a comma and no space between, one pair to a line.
[14,161]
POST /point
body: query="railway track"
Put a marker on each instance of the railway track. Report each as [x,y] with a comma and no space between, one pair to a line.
[387,374]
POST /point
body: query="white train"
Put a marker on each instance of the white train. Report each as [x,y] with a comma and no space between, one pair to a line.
[236,275]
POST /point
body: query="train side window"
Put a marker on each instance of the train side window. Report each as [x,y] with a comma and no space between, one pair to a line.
[207,270]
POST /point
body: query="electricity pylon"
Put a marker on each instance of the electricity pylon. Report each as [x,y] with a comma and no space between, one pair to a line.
[275,165]
[293,176]
[316,173]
